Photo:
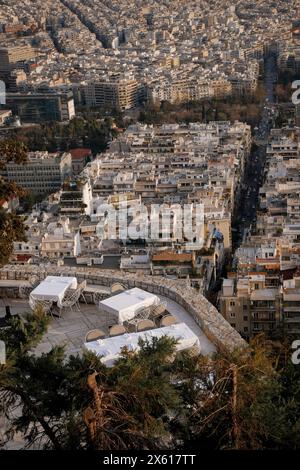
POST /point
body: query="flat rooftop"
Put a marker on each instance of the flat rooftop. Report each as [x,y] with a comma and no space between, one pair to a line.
[264,294]
[70,330]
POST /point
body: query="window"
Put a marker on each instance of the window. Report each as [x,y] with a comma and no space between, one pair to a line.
[245,317]
[245,307]
[233,325]
[246,329]
[256,286]
[232,315]
[232,304]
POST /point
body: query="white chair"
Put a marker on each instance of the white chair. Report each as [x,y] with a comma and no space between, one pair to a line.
[157,312]
[71,299]
[141,313]
[82,287]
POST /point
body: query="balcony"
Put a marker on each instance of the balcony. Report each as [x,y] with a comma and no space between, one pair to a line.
[263,319]
[263,307]
[292,320]
[287,308]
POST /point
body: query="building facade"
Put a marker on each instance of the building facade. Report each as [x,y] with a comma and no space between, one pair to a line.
[44,173]
[42,107]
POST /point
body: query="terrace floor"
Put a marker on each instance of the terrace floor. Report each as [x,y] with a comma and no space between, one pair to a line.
[70,330]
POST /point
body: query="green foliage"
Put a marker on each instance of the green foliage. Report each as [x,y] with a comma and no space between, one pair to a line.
[30,199]
[246,108]
[79,132]
[12,151]
[248,399]
[23,333]
[53,395]
[255,413]
[11,225]
[12,229]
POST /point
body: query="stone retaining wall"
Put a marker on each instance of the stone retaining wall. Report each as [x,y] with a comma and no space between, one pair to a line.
[212,323]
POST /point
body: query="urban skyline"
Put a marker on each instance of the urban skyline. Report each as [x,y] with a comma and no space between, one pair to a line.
[149,208]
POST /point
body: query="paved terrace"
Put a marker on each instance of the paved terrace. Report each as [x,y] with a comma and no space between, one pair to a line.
[183,301]
[71,328]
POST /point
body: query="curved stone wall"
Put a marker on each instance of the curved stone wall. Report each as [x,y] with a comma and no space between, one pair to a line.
[212,323]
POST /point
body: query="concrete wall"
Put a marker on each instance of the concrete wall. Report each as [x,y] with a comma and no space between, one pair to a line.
[212,323]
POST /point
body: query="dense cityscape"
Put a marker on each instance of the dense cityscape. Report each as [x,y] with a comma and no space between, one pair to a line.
[150,225]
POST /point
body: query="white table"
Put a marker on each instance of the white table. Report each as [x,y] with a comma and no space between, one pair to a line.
[53,288]
[110,348]
[124,306]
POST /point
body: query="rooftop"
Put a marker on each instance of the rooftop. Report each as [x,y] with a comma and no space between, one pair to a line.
[179,298]
[264,294]
[71,329]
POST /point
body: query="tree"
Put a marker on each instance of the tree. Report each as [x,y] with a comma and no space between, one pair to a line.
[150,399]
[52,136]
[238,400]
[77,402]
[19,336]
[132,402]
[12,151]
[12,226]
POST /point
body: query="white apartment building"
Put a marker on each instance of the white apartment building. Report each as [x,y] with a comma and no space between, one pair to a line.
[44,172]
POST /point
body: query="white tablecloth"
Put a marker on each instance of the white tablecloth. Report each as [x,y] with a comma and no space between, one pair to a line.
[110,348]
[124,306]
[52,288]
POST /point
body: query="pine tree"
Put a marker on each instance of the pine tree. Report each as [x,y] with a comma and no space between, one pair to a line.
[238,400]
[77,402]
[12,226]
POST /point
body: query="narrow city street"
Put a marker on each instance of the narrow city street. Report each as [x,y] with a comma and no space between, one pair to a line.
[253,177]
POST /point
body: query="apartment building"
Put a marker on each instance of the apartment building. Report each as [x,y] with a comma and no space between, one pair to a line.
[58,245]
[235,305]
[80,158]
[42,107]
[174,57]
[113,92]
[252,308]
[267,264]
[11,56]
[291,305]
[44,173]
[76,198]
[175,166]
[178,89]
